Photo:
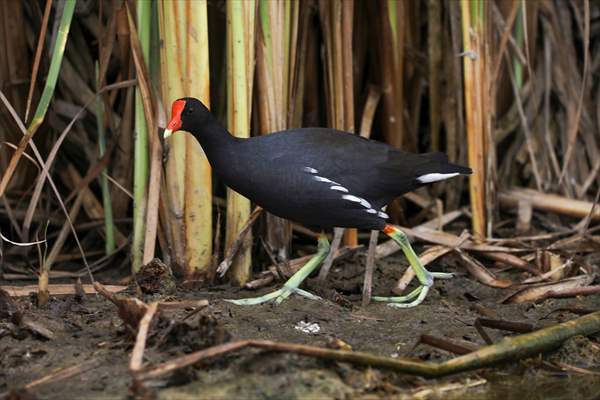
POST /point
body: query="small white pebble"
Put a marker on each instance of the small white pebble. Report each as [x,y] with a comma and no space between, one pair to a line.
[308,327]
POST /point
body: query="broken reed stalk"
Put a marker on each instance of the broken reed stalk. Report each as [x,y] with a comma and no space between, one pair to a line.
[337,19]
[43,294]
[240,72]
[507,349]
[548,202]
[109,225]
[140,152]
[40,112]
[185,72]
[477,108]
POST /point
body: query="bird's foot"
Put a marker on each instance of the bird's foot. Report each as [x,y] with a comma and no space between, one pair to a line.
[418,294]
[425,277]
[279,296]
[292,285]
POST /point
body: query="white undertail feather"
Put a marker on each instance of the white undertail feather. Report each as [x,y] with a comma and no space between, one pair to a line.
[435,177]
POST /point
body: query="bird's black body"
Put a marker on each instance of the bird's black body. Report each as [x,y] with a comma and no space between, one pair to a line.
[314,176]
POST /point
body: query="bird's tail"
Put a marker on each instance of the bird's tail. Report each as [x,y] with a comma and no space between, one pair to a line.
[437,168]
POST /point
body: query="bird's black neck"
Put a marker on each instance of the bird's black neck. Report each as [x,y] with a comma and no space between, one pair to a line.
[216,141]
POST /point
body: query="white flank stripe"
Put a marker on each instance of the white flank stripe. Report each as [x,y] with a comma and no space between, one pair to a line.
[355,199]
[372,211]
[428,178]
[351,198]
[365,203]
[310,170]
[339,188]
[323,179]
[383,215]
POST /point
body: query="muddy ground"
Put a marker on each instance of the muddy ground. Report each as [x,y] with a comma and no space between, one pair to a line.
[89,330]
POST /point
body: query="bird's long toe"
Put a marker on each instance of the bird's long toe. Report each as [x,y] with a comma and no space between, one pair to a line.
[442,275]
[252,301]
[279,296]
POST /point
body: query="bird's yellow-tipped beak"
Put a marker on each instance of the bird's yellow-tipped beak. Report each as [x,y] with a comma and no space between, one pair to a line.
[167,133]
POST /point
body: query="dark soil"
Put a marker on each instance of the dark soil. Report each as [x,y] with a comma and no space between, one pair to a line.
[89,330]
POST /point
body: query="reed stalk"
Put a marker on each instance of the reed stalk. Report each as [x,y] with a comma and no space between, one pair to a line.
[140,155]
[280,47]
[185,72]
[392,73]
[155,153]
[109,226]
[477,108]
[337,19]
[240,72]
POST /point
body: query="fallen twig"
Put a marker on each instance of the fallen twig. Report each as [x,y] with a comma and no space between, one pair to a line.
[135,364]
[509,348]
[338,234]
[60,375]
[513,261]
[175,305]
[548,202]
[573,292]
[436,391]
[390,247]
[137,355]
[235,246]
[480,272]
[131,310]
[450,240]
[541,291]
[446,344]
[370,268]
[59,289]
[512,326]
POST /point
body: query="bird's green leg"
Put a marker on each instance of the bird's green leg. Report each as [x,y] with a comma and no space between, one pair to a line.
[292,285]
[425,277]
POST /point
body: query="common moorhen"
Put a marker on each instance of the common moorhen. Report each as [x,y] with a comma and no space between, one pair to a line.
[320,178]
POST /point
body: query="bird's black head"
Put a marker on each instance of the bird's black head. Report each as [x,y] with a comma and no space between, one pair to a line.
[186,114]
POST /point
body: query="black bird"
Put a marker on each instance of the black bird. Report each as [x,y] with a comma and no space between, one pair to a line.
[318,177]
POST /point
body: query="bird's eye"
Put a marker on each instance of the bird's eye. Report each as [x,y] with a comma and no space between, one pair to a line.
[189,111]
